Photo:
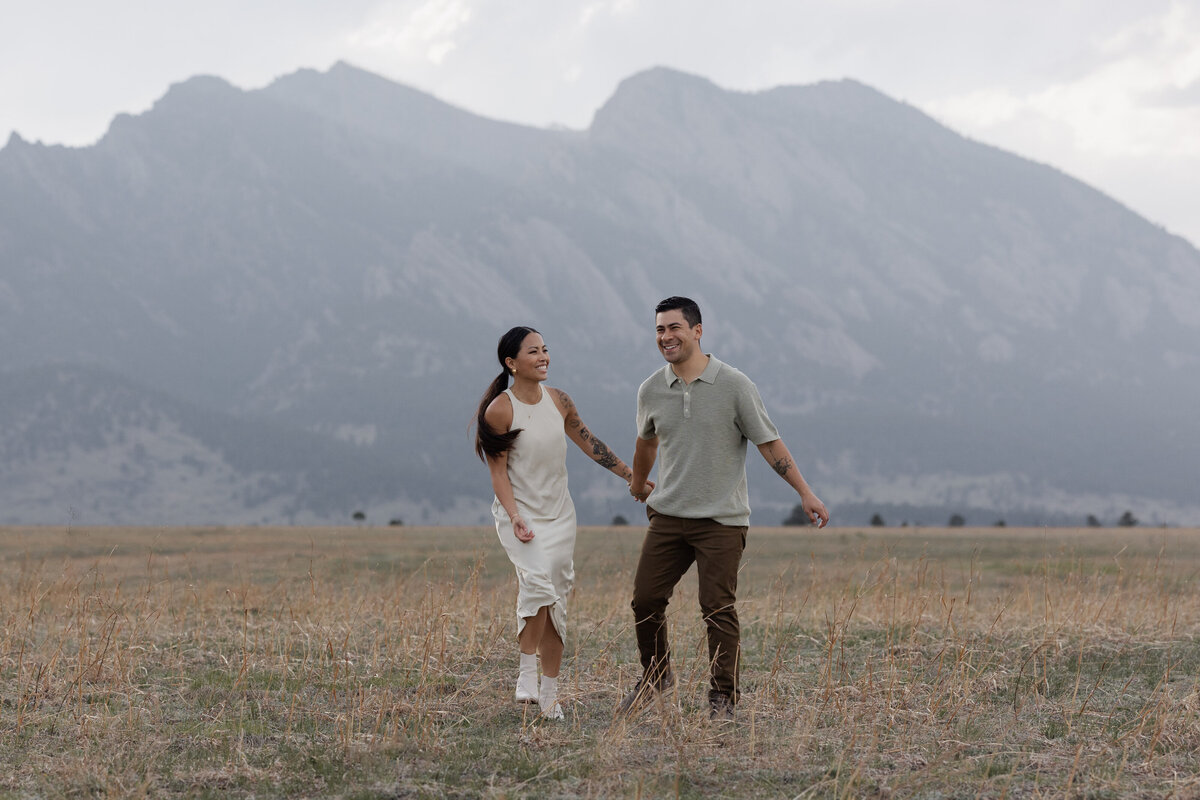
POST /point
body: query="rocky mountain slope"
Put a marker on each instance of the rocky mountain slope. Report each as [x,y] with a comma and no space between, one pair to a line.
[937,326]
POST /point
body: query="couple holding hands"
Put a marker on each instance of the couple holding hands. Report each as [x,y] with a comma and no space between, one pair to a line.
[694,417]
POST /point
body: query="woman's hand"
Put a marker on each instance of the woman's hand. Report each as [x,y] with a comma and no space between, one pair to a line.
[521,529]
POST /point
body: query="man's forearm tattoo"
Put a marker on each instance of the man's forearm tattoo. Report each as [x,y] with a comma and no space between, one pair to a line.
[782,465]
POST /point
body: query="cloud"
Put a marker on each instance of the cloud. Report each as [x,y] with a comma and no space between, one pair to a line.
[606,7]
[413,30]
[1114,109]
[1121,114]
[1173,97]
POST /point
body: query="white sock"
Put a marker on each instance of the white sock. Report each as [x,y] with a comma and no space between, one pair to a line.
[548,698]
[527,678]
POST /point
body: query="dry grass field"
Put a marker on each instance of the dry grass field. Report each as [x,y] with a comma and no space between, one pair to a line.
[379,662]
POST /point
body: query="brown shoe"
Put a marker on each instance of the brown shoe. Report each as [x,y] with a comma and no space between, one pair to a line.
[720,707]
[644,692]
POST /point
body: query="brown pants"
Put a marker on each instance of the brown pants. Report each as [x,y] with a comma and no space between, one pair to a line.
[672,544]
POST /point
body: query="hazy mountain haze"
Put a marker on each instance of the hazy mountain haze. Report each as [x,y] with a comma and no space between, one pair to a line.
[936,326]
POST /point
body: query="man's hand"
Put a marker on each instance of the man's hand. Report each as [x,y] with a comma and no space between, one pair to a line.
[814,509]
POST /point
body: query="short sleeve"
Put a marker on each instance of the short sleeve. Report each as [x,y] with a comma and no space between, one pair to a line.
[645,421]
[752,419]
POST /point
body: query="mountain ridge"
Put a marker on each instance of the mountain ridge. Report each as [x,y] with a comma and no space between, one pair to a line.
[337,254]
[176,463]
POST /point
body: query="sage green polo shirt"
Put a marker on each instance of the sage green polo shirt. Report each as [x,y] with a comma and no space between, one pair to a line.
[702,430]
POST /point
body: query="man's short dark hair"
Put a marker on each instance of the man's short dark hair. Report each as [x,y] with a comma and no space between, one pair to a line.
[691,311]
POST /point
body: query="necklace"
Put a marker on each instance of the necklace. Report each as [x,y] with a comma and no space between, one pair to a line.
[537,398]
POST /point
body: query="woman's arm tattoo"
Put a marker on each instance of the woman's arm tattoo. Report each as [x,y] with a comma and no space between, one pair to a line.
[571,415]
[600,452]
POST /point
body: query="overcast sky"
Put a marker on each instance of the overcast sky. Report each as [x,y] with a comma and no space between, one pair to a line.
[1105,90]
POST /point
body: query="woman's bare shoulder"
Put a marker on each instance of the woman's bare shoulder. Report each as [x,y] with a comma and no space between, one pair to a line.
[499,413]
[562,400]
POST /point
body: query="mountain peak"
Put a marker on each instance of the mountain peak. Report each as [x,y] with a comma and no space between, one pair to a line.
[656,109]
[199,86]
[662,78]
[341,73]
[16,144]
[370,104]
[345,91]
[647,90]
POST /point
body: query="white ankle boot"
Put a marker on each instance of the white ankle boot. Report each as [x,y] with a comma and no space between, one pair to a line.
[548,699]
[527,679]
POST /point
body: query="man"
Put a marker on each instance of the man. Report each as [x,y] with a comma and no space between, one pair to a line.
[695,416]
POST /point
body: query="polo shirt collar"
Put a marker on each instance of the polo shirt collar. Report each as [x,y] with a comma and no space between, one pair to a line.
[709,375]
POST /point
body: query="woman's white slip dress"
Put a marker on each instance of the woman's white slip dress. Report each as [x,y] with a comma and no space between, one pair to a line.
[537,469]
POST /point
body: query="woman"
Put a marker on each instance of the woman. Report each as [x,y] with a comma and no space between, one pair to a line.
[519,435]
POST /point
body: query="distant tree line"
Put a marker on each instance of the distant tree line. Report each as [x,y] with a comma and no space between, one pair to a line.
[361,517]
[798,517]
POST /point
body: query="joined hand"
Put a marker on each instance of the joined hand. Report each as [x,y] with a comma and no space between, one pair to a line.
[641,496]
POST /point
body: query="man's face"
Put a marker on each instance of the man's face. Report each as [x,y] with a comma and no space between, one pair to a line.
[676,341]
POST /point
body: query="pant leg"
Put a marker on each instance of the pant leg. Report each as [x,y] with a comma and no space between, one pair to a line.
[718,550]
[666,556]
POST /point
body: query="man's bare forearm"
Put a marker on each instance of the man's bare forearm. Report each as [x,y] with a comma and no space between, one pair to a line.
[644,453]
[780,458]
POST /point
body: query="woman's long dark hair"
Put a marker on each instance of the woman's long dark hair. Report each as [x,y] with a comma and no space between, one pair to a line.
[490,443]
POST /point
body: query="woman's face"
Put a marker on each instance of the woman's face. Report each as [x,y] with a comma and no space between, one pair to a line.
[532,361]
